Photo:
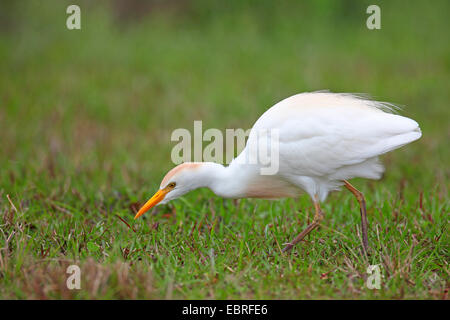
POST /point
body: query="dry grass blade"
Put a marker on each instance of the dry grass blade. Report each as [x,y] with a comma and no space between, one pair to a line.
[126,223]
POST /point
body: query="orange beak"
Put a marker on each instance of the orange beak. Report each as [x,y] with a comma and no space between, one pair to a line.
[157,198]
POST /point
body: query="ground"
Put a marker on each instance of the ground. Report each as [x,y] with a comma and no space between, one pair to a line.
[86,117]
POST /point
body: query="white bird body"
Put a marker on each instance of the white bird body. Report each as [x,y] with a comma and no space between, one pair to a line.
[324,139]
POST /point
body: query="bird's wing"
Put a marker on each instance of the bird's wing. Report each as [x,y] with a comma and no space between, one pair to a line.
[319,133]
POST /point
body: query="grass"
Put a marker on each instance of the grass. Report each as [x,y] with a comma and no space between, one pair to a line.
[86,118]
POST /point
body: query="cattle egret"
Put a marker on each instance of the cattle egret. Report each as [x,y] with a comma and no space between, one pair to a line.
[324,139]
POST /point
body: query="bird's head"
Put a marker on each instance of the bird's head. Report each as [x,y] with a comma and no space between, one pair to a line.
[177,182]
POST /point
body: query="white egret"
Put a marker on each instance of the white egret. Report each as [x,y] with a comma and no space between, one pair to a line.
[324,139]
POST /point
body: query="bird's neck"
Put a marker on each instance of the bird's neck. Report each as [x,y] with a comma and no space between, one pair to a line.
[243,181]
[226,182]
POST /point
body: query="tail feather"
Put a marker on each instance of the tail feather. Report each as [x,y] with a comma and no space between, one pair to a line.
[397,141]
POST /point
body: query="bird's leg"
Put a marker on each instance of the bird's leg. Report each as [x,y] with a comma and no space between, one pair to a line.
[362,205]
[317,218]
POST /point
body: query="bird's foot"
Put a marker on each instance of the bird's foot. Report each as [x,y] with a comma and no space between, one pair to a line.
[288,247]
[365,250]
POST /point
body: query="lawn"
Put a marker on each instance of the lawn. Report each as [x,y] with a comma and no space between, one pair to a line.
[86,118]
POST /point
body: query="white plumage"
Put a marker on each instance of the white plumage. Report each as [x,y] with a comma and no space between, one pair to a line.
[324,140]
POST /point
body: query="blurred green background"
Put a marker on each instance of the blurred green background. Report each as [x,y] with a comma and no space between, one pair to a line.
[86,115]
[107,97]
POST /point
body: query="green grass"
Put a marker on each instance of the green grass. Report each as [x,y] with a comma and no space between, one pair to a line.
[86,118]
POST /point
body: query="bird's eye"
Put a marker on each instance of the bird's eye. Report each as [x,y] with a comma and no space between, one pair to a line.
[172,185]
